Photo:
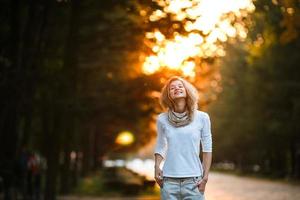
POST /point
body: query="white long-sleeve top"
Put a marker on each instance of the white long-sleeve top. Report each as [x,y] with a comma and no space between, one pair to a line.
[180,146]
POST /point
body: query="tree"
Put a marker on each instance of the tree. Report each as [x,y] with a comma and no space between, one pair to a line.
[264,71]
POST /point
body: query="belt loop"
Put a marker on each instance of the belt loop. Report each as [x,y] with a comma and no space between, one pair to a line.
[195,179]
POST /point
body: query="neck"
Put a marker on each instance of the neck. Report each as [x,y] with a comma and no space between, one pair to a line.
[180,105]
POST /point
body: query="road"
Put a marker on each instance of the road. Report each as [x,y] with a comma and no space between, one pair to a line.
[230,187]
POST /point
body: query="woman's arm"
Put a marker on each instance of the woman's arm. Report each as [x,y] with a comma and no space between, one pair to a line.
[207,159]
[159,152]
[206,140]
[206,163]
[157,171]
[158,160]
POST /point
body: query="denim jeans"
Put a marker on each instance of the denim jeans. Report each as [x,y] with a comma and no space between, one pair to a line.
[181,189]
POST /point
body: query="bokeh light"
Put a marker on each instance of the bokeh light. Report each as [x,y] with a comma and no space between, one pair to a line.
[125,138]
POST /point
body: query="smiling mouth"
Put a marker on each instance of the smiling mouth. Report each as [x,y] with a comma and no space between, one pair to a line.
[179,92]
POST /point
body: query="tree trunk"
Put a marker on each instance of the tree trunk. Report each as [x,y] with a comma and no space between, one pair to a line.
[52,128]
[70,95]
[65,171]
[295,152]
[87,162]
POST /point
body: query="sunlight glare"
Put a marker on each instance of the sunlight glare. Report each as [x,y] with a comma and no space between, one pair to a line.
[208,23]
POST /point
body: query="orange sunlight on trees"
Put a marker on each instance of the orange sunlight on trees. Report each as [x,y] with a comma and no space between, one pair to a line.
[206,25]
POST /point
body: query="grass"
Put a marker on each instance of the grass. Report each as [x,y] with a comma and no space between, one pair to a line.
[96,185]
[92,185]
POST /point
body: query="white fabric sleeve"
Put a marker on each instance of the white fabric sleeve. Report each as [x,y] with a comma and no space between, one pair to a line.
[206,137]
[161,141]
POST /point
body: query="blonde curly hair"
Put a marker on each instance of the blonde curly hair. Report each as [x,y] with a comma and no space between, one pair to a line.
[192,96]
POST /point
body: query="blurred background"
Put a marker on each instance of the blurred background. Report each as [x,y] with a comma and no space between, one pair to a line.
[80,83]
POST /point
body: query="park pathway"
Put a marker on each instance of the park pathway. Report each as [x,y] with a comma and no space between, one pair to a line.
[230,187]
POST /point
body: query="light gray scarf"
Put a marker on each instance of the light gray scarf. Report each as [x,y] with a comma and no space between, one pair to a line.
[178,119]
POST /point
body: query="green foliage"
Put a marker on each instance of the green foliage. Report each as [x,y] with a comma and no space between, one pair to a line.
[256,116]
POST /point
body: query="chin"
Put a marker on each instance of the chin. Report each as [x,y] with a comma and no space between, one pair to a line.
[179,97]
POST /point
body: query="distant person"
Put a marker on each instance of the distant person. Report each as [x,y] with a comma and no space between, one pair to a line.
[35,167]
[180,131]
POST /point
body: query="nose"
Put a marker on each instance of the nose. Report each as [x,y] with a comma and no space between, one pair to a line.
[177,88]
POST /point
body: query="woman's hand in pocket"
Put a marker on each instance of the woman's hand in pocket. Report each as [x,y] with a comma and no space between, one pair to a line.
[201,185]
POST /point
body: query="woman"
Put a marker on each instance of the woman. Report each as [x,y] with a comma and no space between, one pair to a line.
[180,132]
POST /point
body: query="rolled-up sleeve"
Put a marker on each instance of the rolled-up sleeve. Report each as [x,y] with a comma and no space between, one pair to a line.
[206,137]
[161,141]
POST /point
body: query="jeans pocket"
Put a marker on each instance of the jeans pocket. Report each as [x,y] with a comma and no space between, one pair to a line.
[196,179]
[200,191]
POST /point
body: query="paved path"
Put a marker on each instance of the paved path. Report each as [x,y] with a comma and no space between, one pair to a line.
[110,198]
[231,187]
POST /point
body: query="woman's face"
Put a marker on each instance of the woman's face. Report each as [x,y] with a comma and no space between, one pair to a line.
[177,90]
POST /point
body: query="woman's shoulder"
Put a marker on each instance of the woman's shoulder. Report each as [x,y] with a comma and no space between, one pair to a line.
[162,116]
[202,114]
